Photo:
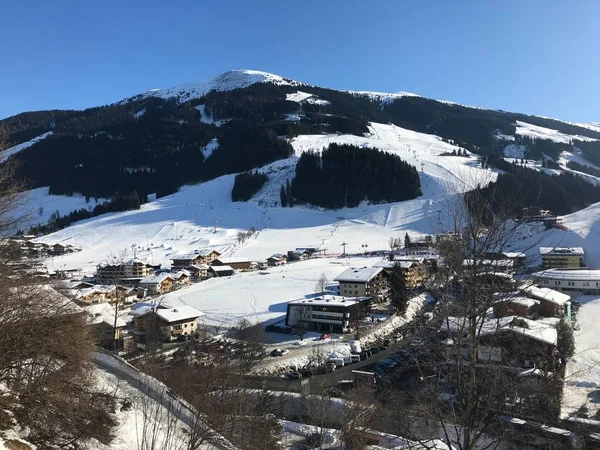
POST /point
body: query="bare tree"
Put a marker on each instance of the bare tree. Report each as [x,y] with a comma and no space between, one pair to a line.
[461,381]
[321,285]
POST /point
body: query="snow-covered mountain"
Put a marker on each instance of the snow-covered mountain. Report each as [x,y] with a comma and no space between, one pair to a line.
[227,81]
[163,139]
[218,127]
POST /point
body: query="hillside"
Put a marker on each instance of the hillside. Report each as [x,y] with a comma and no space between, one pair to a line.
[160,140]
[181,147]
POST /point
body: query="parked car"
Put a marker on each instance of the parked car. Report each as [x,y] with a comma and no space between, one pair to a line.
[374,350]
[294,375]
[279,352]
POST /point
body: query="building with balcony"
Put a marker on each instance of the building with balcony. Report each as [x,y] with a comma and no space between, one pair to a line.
[329,313]
[562,257]
[363,282]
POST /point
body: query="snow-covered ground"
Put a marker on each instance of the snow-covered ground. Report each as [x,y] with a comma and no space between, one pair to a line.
[22,146]
[582,378]
[536,132]
[37,205]
[204,215]
[260,296]
[227,81]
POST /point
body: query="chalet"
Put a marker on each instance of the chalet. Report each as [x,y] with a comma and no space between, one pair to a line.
[185,260]
[330,313]
[298,255]
[158,284]
[562,257]
[584,281]
[514,343]
[235,263]
[196,258]
[515,304]
[363,282]
[413,270]
[518,258]
[96,294]
[106,325]
[221,271]
[552,303]
[198,271]
[169,323]
[277,259]
[182,278]
[128,273]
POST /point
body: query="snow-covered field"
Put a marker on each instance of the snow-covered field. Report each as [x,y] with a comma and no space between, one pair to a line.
[38,205]
[536,132]
[203,216]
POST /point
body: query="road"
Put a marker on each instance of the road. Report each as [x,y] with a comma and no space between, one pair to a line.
[320,382]
[156,391]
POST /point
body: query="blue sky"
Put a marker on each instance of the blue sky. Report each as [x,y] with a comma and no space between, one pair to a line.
[533,56]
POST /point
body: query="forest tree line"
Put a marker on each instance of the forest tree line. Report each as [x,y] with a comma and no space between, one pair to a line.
[345,175]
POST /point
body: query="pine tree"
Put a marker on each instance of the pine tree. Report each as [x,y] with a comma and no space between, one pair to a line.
[283,196]
[288,192]
[406,241]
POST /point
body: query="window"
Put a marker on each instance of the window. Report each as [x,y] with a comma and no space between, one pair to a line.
[185,325]
[177,327]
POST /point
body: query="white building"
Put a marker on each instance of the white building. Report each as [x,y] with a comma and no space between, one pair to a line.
[584,281]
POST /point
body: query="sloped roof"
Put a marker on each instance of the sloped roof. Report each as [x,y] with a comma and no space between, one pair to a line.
[543,330]
[156,279]
[234,260]
[178,313]
[360,275]
[103,313]
[549,295]
[222,268]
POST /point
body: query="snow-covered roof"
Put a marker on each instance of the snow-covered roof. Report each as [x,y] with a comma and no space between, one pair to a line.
[222,268]
[156,279]
[277,256]
[181,273]
[103,313]
[403,264]
[549,295]
[234,260]
[179,313]
[330,300]
[520,300]
[489,262]
[299,251]
[360,275]
[96,289]
[569,274]
[541,330]
[198,267]
[189,256]
[578,251]
[513,255]
[186,256]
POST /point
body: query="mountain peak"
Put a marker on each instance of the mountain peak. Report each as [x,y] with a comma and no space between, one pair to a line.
[227,81]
